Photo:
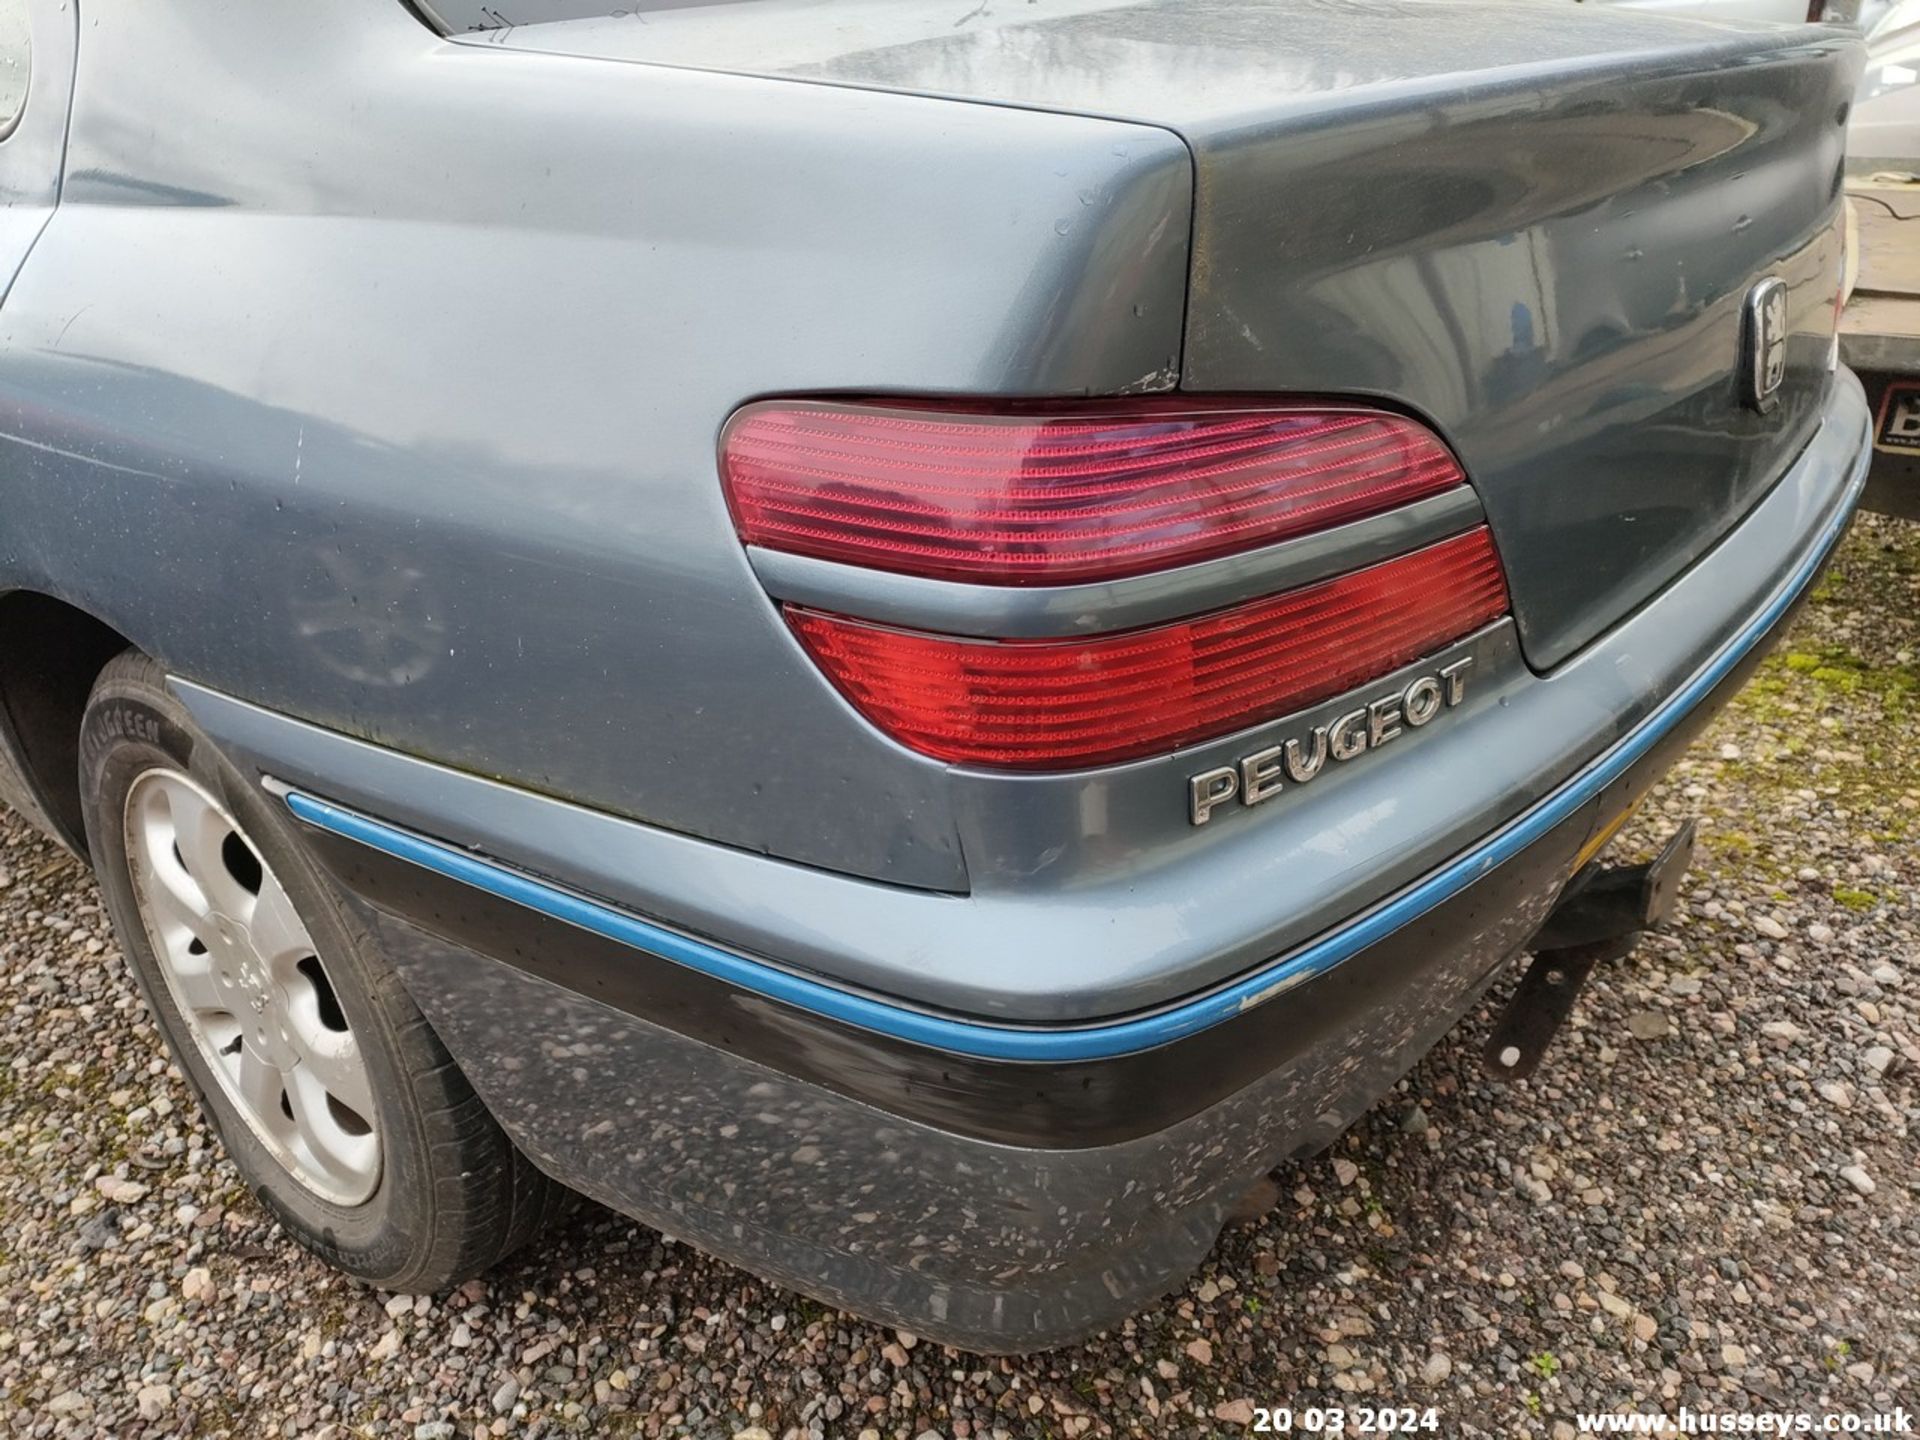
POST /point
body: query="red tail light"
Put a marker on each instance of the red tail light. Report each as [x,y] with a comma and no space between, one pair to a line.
[1059,704]
[1062,495]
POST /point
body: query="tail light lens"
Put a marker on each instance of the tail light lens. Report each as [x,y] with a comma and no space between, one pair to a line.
[1062,495]
[1062,704]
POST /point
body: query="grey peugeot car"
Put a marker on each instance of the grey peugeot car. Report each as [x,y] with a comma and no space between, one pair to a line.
[909,641]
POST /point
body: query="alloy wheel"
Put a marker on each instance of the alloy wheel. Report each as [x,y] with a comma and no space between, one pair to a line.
[245,976]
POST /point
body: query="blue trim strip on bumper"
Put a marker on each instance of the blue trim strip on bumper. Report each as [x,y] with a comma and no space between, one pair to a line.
[990,1041]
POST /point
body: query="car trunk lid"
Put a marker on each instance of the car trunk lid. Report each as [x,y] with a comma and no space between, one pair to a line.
[1535,225]
[1555,265]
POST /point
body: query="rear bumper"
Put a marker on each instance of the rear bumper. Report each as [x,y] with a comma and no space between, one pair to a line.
[995,1185]
[918,1218]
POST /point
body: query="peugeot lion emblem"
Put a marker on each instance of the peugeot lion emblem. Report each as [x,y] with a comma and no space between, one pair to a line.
[1764,343]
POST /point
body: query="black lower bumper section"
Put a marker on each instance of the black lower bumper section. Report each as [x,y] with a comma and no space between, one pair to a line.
[1420,970]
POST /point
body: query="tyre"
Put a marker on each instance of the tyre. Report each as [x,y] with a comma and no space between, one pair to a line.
[338,1104]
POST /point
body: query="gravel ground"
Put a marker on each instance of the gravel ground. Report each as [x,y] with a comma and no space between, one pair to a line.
[1707,1196]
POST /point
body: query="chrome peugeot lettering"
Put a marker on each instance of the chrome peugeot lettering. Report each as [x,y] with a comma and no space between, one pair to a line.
[1423,700]
[1211,788]
[1264,773]
[1348,737]
[1384,719]
[1260,775]
[1303,765]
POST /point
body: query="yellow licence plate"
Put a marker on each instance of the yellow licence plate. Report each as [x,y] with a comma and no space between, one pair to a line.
[1606,833]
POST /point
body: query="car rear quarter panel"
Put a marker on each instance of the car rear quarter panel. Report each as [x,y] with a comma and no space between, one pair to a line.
[376,379]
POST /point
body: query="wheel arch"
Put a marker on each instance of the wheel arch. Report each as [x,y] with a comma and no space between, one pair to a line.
[51,652]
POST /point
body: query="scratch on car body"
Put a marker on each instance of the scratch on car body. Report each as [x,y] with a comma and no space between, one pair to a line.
[1165,378]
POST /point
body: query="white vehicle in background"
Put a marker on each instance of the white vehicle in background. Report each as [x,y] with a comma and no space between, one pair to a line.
[1885,131]
[1880,332]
